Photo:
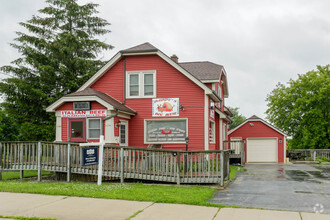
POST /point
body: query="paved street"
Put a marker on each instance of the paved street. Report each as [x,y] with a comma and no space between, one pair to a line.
[294,187]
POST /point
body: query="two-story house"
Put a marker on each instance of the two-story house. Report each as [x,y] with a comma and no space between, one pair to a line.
[144,98]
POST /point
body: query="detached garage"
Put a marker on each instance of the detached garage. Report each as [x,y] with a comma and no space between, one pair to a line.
[264,143]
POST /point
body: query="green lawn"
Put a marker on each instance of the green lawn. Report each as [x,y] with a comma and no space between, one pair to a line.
[234,170]
[159,193]
[27,173]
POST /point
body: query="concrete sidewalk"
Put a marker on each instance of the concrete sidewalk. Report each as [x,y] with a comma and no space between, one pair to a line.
[63,207]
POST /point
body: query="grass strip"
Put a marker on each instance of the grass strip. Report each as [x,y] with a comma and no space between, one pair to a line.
[192,195]
[26,218]
[234,170]
[27,173]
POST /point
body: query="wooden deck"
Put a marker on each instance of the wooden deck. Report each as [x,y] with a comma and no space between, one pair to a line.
[121,162]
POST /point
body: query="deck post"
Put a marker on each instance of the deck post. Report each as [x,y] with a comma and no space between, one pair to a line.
[0,161]
[100,166]
[242,154]
[21,171]
[121,165]
[228,166]
[178,168]
[68,165]
[39,161]
[314,155]
[222,163]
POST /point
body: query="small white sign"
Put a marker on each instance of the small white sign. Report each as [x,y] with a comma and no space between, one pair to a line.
[83,114]
[212,109]
[165,107]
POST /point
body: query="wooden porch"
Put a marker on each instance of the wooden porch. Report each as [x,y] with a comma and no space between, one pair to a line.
[196,167]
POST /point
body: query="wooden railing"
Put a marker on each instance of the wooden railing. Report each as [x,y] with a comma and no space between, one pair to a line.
[308,154]
[236,150]
[121,162]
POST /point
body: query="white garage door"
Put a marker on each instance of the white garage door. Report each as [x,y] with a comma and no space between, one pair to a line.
[261,150]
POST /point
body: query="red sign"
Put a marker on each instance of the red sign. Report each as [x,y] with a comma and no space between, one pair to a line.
[166,131]
[84,114]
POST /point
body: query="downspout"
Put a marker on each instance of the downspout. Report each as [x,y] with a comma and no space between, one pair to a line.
[111,116]
[124,81]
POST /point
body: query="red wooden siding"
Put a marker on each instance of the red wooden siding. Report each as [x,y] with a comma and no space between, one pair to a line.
[170,84]
[260,130]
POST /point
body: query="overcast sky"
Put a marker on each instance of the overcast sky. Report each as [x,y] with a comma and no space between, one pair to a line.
[259,42]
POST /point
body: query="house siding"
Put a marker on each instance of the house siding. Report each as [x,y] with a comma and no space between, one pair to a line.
[170,83]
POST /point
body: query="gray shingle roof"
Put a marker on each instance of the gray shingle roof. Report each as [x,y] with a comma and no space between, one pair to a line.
[254,117]
[105,97]
[203,70]
[140,48]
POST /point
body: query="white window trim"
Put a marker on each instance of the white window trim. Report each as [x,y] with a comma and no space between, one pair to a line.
[165,119]
[122,122]
[87,128]
[141,84]
[213,131]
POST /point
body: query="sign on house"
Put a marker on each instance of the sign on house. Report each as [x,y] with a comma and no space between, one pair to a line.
[84,114]
[90,156]
[165,107]
[166,131]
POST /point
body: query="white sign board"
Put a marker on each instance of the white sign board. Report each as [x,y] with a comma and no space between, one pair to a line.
[165,107]
[84,114]
[212,109]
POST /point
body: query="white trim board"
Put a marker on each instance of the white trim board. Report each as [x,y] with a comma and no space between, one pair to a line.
[60,101]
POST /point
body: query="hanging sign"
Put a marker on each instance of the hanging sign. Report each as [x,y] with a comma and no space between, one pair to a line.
[166,131]
[90,156]
[84,114]
[165,107]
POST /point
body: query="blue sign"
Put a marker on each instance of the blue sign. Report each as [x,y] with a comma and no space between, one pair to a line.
[90,156]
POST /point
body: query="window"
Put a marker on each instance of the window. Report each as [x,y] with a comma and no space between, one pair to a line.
[212,132]
[141,84]
[123,134]
[94,128]
[219,91]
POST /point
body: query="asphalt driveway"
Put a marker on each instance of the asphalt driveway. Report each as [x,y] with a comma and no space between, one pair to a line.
[295,187]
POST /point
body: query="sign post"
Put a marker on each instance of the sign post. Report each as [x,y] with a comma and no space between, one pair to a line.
[100,166]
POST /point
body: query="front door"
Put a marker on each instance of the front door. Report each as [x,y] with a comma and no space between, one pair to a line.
[77,130]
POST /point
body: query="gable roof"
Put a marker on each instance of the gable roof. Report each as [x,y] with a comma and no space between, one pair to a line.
[256,118]
[143,49]
[207,72]
[203,70]
[139,48]
[92,93]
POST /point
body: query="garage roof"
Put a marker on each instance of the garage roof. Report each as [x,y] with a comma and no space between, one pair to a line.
[256,118]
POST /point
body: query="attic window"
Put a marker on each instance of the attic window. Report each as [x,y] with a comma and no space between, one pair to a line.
[141,84]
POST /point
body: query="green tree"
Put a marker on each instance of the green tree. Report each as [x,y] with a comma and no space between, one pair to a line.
[8,130]
[59,53]
[301,109]
[237,118]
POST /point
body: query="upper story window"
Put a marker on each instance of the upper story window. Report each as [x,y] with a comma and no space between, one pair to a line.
[141,84]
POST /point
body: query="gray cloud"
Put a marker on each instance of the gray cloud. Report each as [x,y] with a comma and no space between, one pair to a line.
[260,43]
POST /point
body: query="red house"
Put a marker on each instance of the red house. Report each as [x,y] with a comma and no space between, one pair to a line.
[263,141]
[144,98]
